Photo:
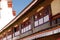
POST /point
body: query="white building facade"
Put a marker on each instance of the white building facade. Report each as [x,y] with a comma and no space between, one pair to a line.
[6,12]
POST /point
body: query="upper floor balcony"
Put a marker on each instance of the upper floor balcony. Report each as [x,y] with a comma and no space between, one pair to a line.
[40,21]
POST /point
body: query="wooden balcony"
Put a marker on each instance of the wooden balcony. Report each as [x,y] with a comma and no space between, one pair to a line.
[17,33]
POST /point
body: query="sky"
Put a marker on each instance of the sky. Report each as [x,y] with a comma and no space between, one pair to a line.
[19,5]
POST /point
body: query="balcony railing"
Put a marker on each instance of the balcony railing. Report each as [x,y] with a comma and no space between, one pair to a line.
[46,33]
[41,21]
[26,29]
[54,23]
[17,33]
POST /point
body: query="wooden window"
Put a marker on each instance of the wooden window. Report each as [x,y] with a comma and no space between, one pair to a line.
[10,4]
[16,29]
[40,21]
[25,26]
[26,23]
[36,23]
[37,16]
[42,16]
[46,18]
[47,10]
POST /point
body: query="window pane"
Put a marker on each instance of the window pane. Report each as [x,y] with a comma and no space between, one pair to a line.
[17,33]
[27,28]
[46,18]
[40,21]
[36,23]
[14,29]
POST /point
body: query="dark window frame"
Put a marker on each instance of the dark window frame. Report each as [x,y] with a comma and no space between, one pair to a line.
[16,29]
[46,11]
[24,24]
[29,22]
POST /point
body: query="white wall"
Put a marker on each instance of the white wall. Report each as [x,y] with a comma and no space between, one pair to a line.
[5,13]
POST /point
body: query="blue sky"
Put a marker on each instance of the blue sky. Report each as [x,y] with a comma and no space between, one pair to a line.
[19,5]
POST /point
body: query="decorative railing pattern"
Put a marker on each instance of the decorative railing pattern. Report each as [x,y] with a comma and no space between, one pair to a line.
[42,20]
[26,29]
